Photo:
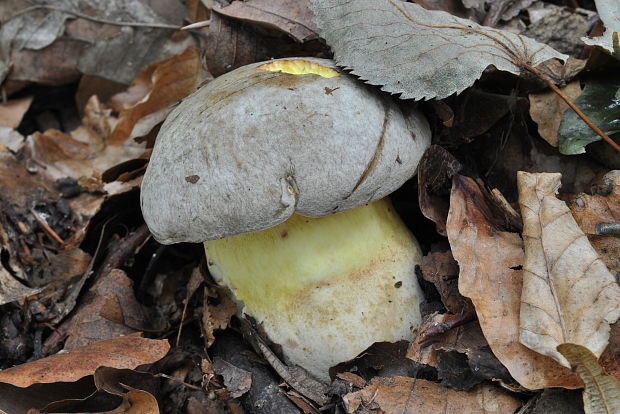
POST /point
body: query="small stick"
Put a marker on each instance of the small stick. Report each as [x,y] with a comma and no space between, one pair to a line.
[197,25]
[47,228]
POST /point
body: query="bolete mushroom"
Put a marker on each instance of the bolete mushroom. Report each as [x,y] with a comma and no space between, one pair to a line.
[282,169]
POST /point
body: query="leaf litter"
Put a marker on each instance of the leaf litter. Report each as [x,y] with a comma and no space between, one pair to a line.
[79,272]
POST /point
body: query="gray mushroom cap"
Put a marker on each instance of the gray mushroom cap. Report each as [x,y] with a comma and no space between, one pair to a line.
[250,148]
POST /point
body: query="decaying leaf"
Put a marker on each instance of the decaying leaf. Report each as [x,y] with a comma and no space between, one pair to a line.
[569,296]
[547,108]
[121,352]
[490,259]
[419,53]
[609,12]
[404,395]
[292,17]
[602,392]
[237,381]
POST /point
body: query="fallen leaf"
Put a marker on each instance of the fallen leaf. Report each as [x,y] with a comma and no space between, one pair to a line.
[108,310]
[598,101]
[216,316]
[435,172]
[153,91]
[555,401]
[547,109]
[122,352]
[419,53]
[12,112]
[441,270]
[602,206]
[490,260]
[136,402]
[292,17]
[237,381]
[404,395]
[602,392]
[610,359]
[608,10]
[568,295]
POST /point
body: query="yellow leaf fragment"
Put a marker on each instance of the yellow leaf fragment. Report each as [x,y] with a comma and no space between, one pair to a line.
[602,392]
[568,295]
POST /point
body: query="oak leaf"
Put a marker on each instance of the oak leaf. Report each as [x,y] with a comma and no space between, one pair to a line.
[569,296]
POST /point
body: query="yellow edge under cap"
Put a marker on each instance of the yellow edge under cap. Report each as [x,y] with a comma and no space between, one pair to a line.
[299,67]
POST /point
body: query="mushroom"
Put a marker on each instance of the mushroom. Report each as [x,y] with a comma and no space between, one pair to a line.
[282,169]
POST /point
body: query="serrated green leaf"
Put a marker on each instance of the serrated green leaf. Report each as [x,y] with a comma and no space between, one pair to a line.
[601,103]
[419,53]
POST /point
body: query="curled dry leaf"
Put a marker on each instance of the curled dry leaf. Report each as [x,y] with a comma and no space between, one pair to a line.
[419,53]
[392,395]
[122,352]
[490,259]
[609,11]
[602,392]
[569,296]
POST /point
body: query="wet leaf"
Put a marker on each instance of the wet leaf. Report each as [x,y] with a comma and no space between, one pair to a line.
[490,260]
[292,17]
[419,53]
[122,352]
[600,101]
[404,395]
[569,296]
[602,392]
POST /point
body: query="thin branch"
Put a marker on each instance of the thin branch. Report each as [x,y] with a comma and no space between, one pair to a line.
[96,19]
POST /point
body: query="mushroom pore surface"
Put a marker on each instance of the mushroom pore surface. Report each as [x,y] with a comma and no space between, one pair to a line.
[253,146]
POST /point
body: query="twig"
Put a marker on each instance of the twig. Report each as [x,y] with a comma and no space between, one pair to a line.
[194,387]
[47,228]
[96,19]
[197,25]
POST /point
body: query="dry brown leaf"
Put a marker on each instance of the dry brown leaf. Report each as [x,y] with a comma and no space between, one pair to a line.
[490,259]
[603,206]
[156,87]
[602,392]
[292,17]
[441,270]
[122,352]
[435,172]
[569,296]
[547,109]
[107,311]
[404,395]
[237,381]
[136,402]
[12,112]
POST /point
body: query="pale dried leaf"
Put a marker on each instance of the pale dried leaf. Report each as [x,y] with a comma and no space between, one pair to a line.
[404,395]
[237,381]
[419,53]
[489,259]
[609,12]
[602,392]
[569,296]
[547,108]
